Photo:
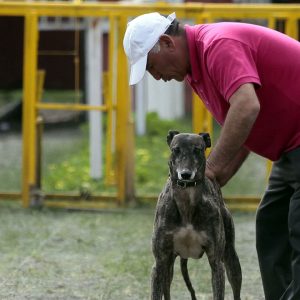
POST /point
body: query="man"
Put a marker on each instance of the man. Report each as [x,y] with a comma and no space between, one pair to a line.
[248,77]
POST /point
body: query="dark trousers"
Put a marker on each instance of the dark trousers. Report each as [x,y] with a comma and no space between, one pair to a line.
[278,230]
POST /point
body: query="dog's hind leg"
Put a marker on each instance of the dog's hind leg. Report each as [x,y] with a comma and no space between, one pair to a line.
[233,271]
[218,276]
[186,277]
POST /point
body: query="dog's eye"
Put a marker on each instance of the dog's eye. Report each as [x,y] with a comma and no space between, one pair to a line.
[197,150]
[176,150]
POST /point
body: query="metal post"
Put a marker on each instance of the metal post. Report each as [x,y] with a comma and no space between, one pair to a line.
[110,172]
[202,119]
[292,26]
[29,110]
[124,142]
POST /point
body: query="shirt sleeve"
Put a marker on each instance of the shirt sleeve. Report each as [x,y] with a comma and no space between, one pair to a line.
[230,64]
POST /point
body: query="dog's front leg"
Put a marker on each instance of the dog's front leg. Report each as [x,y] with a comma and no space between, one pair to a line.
[162,271]
[161,277]
[218,277]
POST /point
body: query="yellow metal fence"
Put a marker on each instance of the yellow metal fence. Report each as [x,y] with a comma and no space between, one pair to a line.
[118,100]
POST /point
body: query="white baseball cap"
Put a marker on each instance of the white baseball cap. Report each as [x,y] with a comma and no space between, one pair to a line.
[141,35]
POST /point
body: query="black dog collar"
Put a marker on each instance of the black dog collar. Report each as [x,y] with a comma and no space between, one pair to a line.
[187,183]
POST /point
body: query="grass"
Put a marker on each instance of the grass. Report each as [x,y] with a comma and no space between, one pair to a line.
[152,154]
[10,162]
[70,171]
[57,254]
[67,168]
[10,96]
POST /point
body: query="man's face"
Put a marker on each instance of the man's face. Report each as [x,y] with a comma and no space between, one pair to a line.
[167,63]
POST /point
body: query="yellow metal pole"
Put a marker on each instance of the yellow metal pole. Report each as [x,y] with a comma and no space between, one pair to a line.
[123,145]
[202,119]
[68,106]
[110,132]
[109,151]
[39,129]
[29,111]
[120,121]
[292,26]
[271,22]
[40,84]
[198,113]
[96,9]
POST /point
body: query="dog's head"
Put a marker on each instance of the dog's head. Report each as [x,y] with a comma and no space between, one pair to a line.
[187,160]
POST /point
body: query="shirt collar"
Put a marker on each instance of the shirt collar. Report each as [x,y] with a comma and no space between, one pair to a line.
[195,68]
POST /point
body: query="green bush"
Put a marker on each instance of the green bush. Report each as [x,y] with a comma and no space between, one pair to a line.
[70,172]
[151,168]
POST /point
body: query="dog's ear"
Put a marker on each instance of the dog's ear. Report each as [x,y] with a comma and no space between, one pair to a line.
[170,136]
[206,139]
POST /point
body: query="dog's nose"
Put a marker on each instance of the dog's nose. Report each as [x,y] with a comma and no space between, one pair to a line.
[185,175]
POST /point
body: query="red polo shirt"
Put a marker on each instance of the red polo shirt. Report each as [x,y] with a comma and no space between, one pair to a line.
[224,56]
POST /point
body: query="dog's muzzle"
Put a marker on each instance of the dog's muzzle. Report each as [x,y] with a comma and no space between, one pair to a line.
[186,174]
[186,178]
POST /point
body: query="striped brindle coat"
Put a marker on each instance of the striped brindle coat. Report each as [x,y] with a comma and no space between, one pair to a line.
[191,219]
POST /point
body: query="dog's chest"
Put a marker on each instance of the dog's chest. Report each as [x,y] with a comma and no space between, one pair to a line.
[186,201]
[188,242]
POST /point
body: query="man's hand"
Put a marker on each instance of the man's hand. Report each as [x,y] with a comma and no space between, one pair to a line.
[209,172]
[227,172]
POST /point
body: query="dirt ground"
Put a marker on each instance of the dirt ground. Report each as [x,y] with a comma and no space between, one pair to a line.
[57,254]
[64,255]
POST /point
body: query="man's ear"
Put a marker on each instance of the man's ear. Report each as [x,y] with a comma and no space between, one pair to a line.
[167,41]
[206,139]
[170,136]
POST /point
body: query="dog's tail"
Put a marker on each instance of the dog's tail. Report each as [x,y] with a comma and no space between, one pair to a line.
[186,277]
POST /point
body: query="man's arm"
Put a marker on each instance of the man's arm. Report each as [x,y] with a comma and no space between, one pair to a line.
[243,111]
[228,172]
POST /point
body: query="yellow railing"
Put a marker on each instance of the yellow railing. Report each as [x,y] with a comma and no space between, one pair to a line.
[117,102]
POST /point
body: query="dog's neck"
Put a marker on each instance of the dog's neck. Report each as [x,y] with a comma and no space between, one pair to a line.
[183,184]
[186,183]
[186,195]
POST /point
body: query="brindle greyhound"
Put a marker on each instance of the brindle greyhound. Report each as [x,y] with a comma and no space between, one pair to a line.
[191,218]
